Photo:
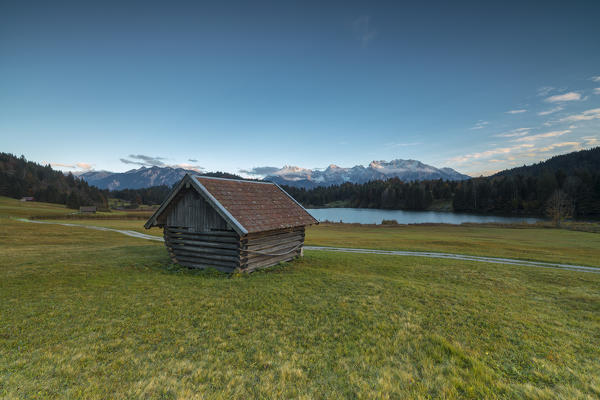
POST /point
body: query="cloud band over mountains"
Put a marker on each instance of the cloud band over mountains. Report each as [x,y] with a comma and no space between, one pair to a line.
[259,171]
[148,161]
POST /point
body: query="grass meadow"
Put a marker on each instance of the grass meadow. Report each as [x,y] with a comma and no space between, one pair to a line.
[92,314]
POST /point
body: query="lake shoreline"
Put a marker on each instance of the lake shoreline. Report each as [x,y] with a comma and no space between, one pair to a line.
[578,226]
[378,216]
[437,209]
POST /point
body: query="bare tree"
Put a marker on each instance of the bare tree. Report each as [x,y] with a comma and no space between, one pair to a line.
[559,207]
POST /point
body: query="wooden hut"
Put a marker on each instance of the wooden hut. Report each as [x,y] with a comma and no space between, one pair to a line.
[231,224]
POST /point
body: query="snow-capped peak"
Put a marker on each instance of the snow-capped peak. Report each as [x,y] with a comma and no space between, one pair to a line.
[407,170]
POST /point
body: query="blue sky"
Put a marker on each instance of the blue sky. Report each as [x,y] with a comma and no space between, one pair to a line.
[474,86]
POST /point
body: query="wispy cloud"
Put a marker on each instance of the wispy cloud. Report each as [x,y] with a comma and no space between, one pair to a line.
[481,162]
[595,78]
[192,160]
[259,171]
[591,141]
[544,91]
[480,125]
[191,167]
[584,116]
[571,96]
[80,165]
[405,144]
[514,133]
[533,138]
[148,161]
[83,165]
[363,30]
[597,90]
[143,160]
[550,111]
[575,145]
[516,111]
[490,153]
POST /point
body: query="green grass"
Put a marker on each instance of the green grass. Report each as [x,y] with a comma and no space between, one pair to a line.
[132,225]
[537,244]
[16,208]
[37,210]
[90,314]
[114,203]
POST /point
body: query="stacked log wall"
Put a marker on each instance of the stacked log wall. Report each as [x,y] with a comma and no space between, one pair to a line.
[215,249]
[226,251]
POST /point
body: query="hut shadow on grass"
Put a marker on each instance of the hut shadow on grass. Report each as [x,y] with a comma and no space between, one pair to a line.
[213,273]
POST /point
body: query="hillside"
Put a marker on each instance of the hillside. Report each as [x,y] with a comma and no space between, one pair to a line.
[20,178]
[577,161]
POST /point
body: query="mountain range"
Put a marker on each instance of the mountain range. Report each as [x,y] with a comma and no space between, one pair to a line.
[406,170]
[136,178]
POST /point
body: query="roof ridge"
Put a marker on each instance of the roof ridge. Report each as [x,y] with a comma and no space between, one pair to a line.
[233,180]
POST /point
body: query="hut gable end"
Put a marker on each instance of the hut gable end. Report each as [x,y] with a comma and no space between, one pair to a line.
[191,211]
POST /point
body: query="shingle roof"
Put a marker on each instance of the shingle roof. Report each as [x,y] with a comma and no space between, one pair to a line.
[257,206]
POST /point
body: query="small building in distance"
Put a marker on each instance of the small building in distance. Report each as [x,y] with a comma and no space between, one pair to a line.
[87,209]
[27,199]
[231,224]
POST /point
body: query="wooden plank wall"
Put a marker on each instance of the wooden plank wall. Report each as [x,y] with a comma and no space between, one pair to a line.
[264,249]
[192,211]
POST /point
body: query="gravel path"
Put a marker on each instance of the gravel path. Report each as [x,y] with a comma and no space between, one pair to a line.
[461,257]
[98,228]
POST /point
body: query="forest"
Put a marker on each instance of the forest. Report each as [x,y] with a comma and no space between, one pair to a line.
[21,178]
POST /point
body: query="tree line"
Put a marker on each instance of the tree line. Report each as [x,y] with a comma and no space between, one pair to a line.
[499,195]
[21,178]
[522,191]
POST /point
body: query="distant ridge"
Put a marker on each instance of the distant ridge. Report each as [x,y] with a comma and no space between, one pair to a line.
[405,170]
[143,177]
